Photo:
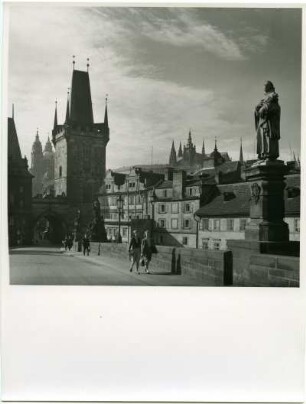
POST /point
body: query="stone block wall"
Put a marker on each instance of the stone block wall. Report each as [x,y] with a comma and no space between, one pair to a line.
[212,267]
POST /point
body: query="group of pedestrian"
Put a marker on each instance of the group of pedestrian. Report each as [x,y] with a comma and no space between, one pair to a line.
[140,251]
[68,242]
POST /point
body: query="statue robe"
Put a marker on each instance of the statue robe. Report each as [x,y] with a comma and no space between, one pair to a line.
[267,123]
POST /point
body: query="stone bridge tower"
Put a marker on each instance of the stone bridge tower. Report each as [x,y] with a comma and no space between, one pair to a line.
[80,145]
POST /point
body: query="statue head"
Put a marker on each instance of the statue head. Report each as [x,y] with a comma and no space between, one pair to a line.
[269,87]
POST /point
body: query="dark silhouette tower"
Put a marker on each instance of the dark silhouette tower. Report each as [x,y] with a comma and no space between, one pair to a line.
[80,145]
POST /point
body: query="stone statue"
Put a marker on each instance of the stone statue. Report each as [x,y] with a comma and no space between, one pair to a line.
[96,227]
[267,124]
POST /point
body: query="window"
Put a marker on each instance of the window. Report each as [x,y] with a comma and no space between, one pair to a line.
[205,243]
[60,171]
[190,191]
[185,240]
[186,223]
[108,186]
[165,193]
[162,223]
[21,189]
[297,225]
[216,243]
[204,224]
[216,224]
[243,223]
[174,223]
[187,207]
[131,200]
[162,208]
[124,232]
[230,224]
[131,184]
[174,207]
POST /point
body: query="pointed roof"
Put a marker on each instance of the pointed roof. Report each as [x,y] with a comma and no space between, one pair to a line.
[37,147]
[241,152]
[172,158]
[189,137]
[55,116]
[48,146]
[180,153]
[81,112]
[106,115]
[203,148]
[67,109]
[14,152]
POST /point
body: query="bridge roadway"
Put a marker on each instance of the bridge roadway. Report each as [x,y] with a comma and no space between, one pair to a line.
[47,265]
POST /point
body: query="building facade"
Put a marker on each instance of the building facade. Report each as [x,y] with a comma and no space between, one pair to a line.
[19,191]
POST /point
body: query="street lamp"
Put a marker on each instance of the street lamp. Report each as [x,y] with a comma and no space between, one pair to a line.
[152,199]
[120,208]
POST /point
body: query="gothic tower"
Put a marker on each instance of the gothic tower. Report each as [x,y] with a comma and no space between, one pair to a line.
[80,145]
[189,150]
[37,166]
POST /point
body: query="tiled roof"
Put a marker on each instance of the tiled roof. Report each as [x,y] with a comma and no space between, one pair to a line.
[165,184]
[238,203]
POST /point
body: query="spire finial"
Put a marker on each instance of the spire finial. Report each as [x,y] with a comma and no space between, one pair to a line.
[67,108]
[241,152]
[55,116]
[106,114]
[73,61]
[216,143]
[106,99]
[87,64]
[13,111]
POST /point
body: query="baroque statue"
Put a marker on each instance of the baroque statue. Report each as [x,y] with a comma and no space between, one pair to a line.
[267,124]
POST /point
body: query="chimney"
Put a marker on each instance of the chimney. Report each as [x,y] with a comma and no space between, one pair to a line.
[179,177]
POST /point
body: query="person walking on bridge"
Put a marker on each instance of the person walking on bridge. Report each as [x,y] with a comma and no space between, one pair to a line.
[134,251]
[86,244]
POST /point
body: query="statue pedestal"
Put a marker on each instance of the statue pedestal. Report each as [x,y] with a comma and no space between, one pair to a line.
[267,207]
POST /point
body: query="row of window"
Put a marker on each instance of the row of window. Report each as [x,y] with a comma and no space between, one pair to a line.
[162,223]
[228,225]
[165,208]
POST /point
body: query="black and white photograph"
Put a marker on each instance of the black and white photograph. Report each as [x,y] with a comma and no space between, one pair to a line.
[157,145]
[154,146]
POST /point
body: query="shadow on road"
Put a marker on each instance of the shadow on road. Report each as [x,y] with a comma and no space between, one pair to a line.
[34,252]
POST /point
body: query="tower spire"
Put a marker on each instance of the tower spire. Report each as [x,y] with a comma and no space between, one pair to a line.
[216,148]
[55,116]
[241,152]
[106,113]
[180,153]
[172,158]
[67,108]
[203,149]
[189,137]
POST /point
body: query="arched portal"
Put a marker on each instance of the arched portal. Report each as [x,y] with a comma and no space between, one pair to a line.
[49,228]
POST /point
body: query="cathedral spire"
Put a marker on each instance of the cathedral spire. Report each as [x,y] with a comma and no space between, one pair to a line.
[55,116]
[241,152]
[106,114]
[216,148]
[203,149]
[37,136]
[189,137]
[172,158]
[180,153]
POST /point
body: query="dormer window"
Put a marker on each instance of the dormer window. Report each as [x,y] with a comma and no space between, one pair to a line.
[227,196]
[293,192]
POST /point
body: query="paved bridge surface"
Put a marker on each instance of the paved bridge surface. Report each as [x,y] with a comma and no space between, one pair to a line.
[47,265]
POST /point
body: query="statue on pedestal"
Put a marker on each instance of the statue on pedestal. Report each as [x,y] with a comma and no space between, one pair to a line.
[96,227]
[267,124]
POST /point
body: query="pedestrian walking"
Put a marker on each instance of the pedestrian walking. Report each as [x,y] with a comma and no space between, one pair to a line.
[86,244]
[147,249]
[134,251]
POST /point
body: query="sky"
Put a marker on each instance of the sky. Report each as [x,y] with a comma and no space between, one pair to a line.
[166,71]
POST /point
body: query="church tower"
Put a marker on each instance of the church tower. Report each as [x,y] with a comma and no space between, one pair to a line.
[37,166]
[80,145]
